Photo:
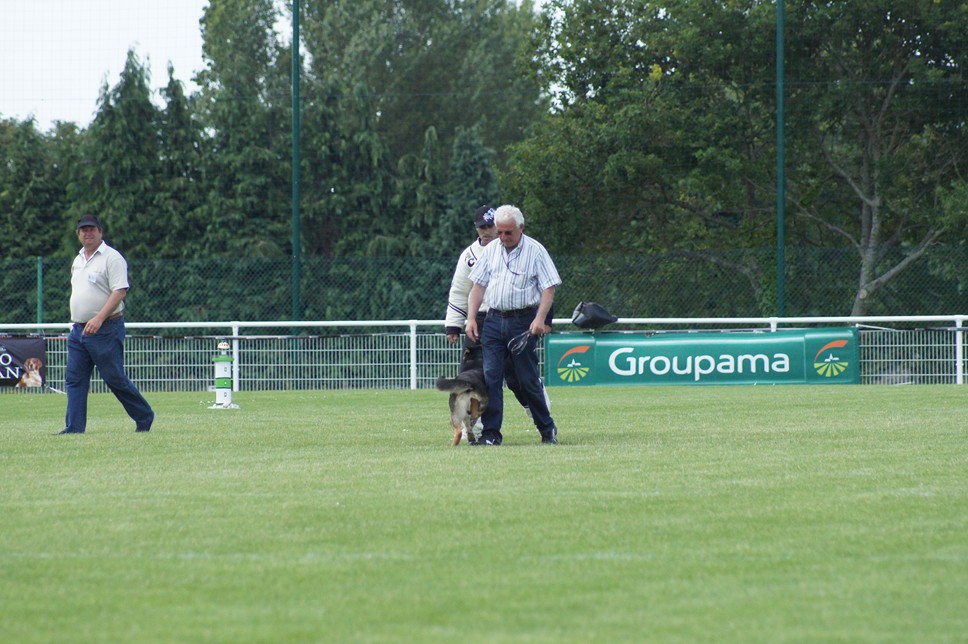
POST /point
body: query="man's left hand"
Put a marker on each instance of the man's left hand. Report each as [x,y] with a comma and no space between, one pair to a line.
[93,326]
[539,328]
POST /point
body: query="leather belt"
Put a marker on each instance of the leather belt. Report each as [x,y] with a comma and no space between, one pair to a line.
[107,319]
[514,313]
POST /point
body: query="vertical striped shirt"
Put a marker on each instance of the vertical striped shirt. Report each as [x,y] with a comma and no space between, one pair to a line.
[515,279]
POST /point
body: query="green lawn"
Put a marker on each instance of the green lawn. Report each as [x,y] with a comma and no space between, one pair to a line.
[727,514]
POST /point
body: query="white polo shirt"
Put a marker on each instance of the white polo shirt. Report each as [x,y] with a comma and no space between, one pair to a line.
[93,280]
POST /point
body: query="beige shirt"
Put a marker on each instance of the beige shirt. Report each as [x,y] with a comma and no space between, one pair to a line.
[93,279]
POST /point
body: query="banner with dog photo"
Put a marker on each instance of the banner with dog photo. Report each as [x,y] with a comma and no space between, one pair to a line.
[22,362]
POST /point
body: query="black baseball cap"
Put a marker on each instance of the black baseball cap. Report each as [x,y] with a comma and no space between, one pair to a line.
[484,217]
[88,220]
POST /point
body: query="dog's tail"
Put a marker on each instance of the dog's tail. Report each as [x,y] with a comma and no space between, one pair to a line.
[457,385]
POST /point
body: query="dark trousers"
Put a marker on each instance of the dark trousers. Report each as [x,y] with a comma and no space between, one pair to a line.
[510,377]
[498,331]
[104,350]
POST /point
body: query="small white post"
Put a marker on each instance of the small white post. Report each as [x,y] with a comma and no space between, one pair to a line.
[223,377]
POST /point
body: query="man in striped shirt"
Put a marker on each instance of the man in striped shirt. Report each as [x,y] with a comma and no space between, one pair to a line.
[517,280]
[460,289]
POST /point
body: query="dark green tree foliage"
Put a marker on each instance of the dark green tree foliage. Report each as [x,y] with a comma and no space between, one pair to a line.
[653,146]
[418,200]
[121,164]
[348,175]
[179,197]
[67,166]
[652,179]
[663,136]
[430,63]
[31,204]
[31,191]
[884,147]
[321,142]
[472,183]
[247,204]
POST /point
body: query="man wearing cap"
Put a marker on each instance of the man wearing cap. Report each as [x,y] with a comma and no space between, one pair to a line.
[460,285]
[517,279]
[99,282]
[460,288]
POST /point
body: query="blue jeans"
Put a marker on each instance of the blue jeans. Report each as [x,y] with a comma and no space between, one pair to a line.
[104,350]
[497,333]
[510,378]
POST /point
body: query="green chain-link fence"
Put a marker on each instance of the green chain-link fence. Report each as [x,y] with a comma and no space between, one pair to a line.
[820,282]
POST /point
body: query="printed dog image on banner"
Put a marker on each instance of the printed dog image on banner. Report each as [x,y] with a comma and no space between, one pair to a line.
[22,362]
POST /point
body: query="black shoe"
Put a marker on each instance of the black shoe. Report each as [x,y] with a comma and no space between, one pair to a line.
[550,437]
[145,427]
[68,431]
[488,440]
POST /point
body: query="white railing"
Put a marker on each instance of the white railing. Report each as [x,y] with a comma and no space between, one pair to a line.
[943,353]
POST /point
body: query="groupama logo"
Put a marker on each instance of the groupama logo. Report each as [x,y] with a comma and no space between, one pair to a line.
[571,370]
[831,365]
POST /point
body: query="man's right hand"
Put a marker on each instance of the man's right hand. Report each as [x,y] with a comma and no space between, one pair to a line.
[452,338]
[471,330]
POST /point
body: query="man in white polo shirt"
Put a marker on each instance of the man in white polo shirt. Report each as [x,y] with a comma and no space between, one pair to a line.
[99,282]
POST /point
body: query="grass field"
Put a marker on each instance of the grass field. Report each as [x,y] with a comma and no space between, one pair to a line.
[727,514]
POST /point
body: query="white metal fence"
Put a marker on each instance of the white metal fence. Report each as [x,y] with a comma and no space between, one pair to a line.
[401,354]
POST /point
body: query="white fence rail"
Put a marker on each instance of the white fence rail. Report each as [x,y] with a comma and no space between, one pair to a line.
[397,354]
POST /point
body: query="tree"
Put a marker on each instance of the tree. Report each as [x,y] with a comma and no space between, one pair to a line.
[430,63]
[663,137]
[346,171]
[246,120]
[419,201]
[471,183]
[883,130]
[638,150]
[179,195]
[119,171]
[31,195]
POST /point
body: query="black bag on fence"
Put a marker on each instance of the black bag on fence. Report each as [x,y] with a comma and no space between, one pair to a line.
[589,315]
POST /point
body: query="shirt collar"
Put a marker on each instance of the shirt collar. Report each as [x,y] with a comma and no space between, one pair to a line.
[84,255]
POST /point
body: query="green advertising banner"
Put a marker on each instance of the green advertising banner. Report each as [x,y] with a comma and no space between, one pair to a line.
[806,356]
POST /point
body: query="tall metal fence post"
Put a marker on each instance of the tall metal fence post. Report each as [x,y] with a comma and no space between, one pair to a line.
[413,354]
[40,290]
[780,164]
[296,252]
[959,352]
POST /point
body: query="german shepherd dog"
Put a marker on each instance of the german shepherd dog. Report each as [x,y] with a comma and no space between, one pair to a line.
[468,395]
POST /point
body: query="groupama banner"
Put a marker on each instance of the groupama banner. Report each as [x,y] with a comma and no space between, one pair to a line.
[804,356]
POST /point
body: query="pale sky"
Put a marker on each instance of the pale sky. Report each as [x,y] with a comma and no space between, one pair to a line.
[56,54]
